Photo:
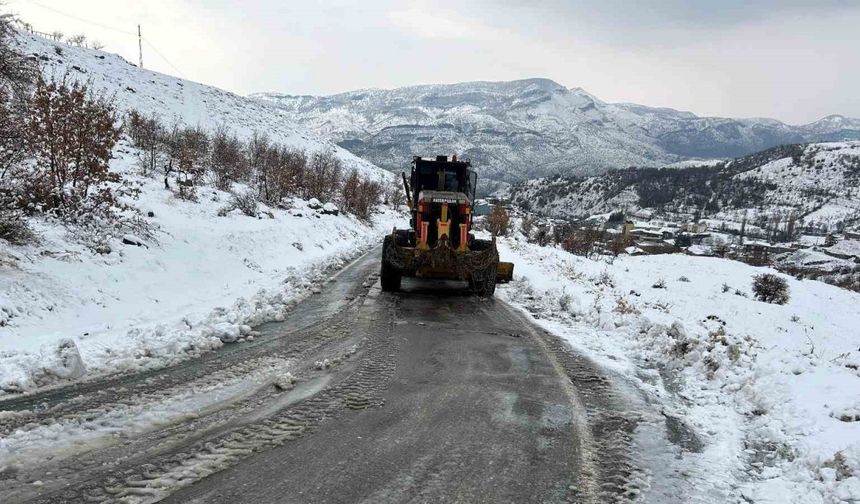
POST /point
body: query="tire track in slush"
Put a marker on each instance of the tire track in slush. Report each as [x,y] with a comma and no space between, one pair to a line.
[604,423]
[164,475]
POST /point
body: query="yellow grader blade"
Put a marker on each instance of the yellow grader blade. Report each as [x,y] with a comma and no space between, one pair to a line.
[504,272]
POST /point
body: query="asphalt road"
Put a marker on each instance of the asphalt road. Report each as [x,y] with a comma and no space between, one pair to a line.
[431,395]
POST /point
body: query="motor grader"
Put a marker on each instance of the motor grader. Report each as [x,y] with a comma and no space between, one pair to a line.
[439,243]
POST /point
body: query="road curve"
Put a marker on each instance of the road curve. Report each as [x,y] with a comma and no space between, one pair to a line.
[430,395]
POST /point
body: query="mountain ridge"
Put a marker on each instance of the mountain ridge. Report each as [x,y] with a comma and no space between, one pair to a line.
[513,130]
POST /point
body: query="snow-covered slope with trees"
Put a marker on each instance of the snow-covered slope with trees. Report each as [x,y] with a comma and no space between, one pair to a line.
[69,312]
[535,127]
[819,183]
[177,101]
[171,266]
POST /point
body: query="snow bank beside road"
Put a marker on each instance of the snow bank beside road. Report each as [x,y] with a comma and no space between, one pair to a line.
[67,312]
[771,389]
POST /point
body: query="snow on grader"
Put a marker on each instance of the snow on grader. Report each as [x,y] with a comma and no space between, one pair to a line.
[439,243]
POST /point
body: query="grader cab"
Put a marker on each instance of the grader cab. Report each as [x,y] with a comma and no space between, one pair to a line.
[439,242]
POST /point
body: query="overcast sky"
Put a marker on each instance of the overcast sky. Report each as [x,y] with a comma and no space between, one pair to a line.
[793,60]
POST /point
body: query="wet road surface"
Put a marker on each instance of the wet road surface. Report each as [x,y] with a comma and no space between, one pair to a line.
[428,395]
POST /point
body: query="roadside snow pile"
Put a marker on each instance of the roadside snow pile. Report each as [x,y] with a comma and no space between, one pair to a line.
[68,311]
[771,389]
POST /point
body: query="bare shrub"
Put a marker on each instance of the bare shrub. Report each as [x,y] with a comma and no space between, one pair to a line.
[79,40]
[13,226]
[245,201]
[369,194]
[186,151]
[71,133]
[17,74]
[349,191]
[770,288]
[618,244]
[561,232]
[564,302]
[583,241]
[227,161]
[659,284]
[605,278]
[541,235]
[624,307]
[324,176]
[394,194]
[256,152]
[527,225]
[498,221]
[147,134]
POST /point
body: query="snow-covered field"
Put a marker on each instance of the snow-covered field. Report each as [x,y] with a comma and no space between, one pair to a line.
[67,312]
[771,390]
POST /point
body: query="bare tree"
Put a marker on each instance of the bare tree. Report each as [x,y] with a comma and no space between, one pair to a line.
[227,160]
[498,221]
[324,176]
[561,232]
[17,75]
[147,134]
[98,46]
[541,236]
[257,152]
[79,40]
[527,224]
[619,244]
[349,191]
[71,133]
[583,241]
[394,194]
[369,192]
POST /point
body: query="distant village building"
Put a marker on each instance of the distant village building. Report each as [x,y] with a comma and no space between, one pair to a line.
[481,207]
[756,253]
[643,214]
[700,250]
[627,229]
[634,251]
[695,227]
[845,249]
[852,234]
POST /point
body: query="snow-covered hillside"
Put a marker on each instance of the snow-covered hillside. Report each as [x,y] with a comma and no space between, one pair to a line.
[768,392]
[176,100]
[69,312]
[534,127]
[819,182]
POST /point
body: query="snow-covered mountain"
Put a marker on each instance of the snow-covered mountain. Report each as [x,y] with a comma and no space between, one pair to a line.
[819,183]
[176,100]
[522,129]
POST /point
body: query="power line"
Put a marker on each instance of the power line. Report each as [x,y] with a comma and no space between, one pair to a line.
[82,20]
[106,27]
[164,58]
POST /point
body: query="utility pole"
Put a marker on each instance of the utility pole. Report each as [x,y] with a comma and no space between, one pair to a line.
[139,47]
